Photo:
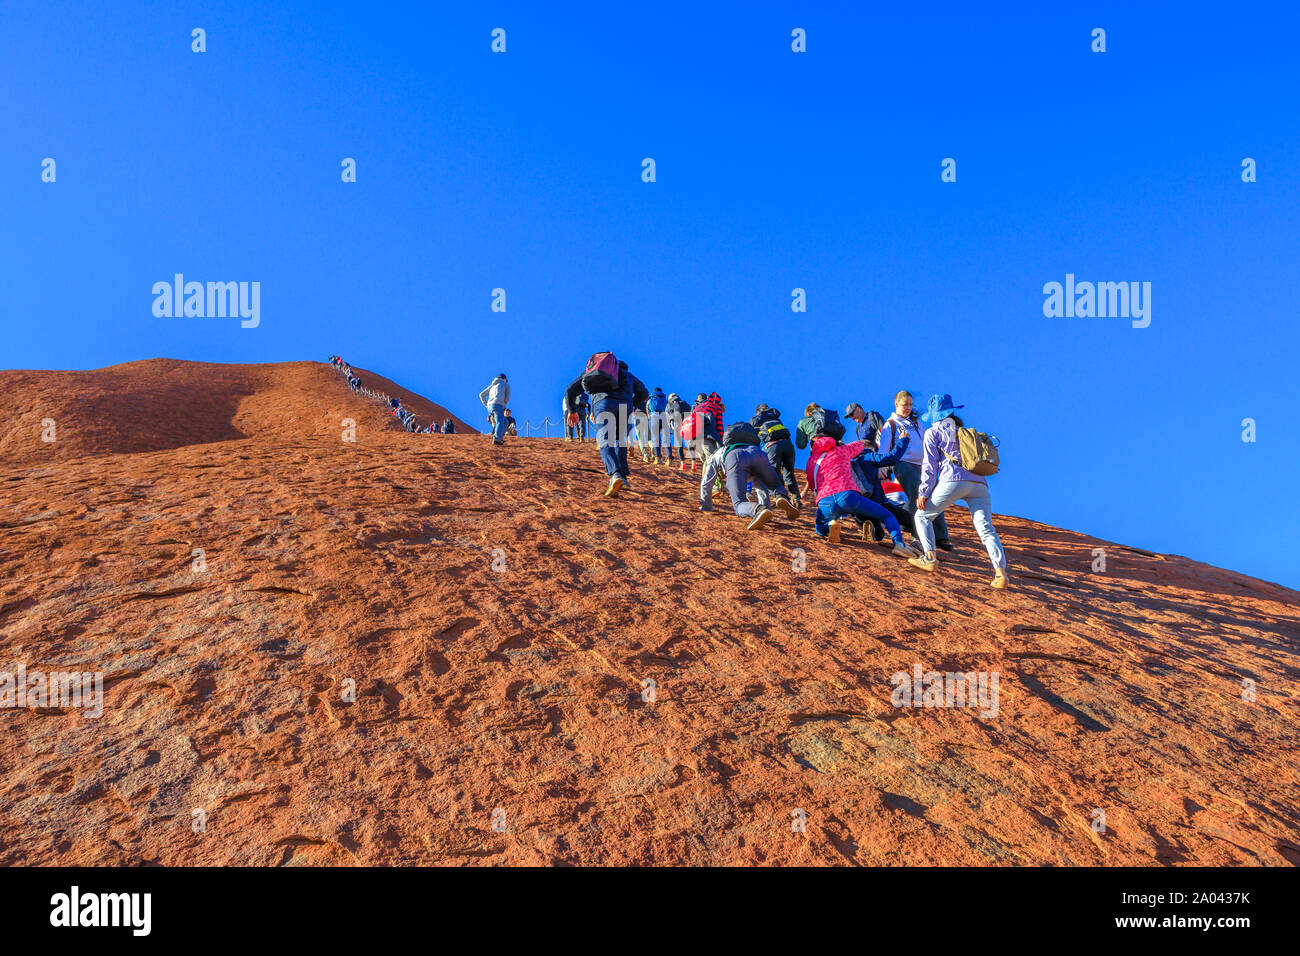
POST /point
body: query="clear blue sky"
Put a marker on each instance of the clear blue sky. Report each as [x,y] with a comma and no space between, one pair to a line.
[775,170]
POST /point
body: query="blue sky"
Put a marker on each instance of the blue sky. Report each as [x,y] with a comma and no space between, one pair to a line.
[775,170]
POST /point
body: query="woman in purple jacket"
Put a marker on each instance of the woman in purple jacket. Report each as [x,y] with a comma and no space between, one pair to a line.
[944,482]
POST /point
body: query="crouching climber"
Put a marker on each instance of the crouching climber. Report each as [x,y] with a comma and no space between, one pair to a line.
[742,461]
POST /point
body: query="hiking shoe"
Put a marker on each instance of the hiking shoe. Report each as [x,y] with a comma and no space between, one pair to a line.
[495,442]
[999,579]
[903,551]
[760,519]
[926,562]
[885,541]
[944,545]
[834,535]
[786,508]
[615,486]
[684,468]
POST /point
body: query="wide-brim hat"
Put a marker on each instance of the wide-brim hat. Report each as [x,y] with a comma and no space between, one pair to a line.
[941,406]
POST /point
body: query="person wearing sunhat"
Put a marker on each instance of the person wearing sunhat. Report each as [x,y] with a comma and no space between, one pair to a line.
[944,482]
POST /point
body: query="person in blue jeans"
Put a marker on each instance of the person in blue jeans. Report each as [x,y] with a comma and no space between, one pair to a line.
[656,415]
[495,398]
[833,484]
[612,403]
[944,482]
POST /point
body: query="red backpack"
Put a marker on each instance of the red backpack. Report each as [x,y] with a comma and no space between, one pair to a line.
[601,374]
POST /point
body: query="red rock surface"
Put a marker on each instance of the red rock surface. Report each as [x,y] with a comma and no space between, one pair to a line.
[522,689]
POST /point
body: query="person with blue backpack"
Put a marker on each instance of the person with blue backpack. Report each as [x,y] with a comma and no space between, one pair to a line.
[743,462]
[657,413]
[614,392]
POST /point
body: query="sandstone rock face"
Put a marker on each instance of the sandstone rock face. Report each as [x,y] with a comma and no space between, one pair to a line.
[501,621]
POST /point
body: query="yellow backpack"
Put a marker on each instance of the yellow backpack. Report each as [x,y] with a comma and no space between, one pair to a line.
[979,452]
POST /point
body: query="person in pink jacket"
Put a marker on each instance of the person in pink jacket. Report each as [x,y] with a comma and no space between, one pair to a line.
[831,483]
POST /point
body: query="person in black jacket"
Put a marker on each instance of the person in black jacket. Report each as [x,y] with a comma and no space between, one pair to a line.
[775,440]
[611,405]
[449,427]
[583,408]
[675,413]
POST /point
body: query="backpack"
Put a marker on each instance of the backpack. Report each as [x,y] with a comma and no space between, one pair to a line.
[773,430]
[688,428]
[740,433]
[893,432]
[601,374]
[827,422]
[658,402]
[866,475]
[698,428]
[979,452]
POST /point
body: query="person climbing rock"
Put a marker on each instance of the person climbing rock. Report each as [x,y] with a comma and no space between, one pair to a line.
[743,462]
[834,486]
[945,481]
[614,393]
[494,399]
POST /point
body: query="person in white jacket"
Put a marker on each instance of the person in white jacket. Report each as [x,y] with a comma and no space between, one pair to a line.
[495,398]
[904,421]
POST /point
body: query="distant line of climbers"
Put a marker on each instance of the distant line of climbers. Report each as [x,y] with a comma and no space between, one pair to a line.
[403,415]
